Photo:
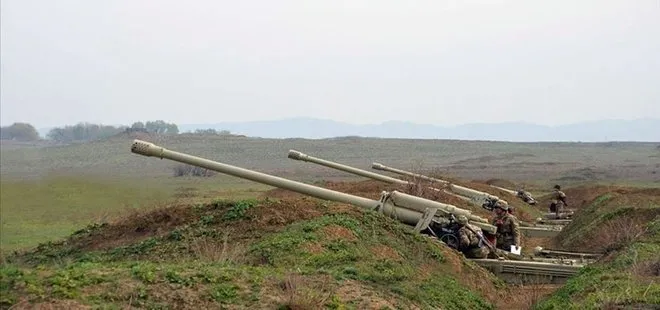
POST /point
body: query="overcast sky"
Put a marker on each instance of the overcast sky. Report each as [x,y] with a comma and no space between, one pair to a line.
[437,62]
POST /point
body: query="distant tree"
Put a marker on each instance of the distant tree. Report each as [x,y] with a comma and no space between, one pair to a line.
[137,125]
[161,127]
[83,132]
[19,132]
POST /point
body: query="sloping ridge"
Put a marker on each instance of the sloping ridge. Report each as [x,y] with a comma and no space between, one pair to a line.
[623,223]
[299,252]
[610,218]
[267,253]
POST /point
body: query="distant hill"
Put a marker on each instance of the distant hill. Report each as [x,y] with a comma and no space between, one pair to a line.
[645,130]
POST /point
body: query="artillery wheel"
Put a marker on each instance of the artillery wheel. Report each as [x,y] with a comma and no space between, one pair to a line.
[450,240]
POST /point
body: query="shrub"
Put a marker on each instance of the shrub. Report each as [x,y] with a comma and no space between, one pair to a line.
[189,170]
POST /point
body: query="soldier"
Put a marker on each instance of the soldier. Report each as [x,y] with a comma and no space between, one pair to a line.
[558,201]
[469,241]
[508,231]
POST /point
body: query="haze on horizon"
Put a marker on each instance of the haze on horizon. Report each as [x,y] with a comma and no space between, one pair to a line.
[362,62]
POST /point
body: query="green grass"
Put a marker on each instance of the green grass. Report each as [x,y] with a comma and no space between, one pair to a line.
[344,258]
[612,215]
[48,193]
[626,226]
[304,264]
[630,279]
[35,211]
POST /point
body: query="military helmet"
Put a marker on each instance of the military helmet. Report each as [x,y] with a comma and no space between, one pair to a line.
[557,187]
[502,205]
[462,219]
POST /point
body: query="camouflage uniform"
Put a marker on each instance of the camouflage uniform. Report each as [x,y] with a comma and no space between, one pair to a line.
[469,242]
[558,201]
[508,231]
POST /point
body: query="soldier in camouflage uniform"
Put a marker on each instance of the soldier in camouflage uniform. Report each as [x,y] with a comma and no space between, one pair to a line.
[508,231]
[558,201]
[469,241]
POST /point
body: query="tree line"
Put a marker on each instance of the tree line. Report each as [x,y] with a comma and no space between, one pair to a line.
[19,132]
[85,131]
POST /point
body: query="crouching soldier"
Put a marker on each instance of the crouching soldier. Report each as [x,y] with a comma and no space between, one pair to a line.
[508,231]
[470,239]
[558,201]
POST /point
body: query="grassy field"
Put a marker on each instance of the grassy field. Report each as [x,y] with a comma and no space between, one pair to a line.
[48,191]
[190,242]
[40,210]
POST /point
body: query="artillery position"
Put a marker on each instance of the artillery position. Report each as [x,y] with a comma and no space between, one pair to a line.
[483,199]
[427,216]
[401,206]
[475,197]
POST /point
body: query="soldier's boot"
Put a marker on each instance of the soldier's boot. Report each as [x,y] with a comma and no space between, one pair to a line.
[477,253]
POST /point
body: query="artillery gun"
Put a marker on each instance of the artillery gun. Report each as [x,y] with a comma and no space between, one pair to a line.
[477,198]
[426,215]
[520,193]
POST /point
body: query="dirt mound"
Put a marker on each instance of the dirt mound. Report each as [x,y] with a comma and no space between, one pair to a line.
[627,276]
[375,248]
[337,253]
[142,235]
[132,228]
[610,220]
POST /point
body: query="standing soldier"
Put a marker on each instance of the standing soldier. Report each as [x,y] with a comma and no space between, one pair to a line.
[508,231]
[470,239]
[558,201]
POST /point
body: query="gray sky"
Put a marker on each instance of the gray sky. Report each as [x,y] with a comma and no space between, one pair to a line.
[440,62]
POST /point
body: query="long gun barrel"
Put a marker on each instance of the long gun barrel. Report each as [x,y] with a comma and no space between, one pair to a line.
[379,166]
[479,196]
[510,191]
[297,155]
[406,208]
[293,154]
